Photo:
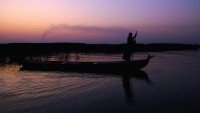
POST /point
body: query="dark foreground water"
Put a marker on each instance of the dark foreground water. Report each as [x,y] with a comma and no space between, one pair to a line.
[169,84]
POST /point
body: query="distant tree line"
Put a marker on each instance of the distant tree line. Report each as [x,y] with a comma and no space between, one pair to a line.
[39,48]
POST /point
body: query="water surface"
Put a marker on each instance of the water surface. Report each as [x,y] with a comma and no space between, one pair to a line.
[169,84]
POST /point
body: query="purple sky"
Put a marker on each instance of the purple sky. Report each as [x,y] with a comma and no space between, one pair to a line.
[100,21]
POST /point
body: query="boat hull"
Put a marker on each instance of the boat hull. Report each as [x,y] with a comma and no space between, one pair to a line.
[85,66]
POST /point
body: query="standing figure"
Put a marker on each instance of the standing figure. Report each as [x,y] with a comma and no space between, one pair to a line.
[131,41]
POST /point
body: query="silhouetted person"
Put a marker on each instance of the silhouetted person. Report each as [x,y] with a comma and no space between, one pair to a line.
[131,41]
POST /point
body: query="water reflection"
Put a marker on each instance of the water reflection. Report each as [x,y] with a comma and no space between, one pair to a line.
[126,80]
[128,84]
[11,75]
[65,91]
[176,88]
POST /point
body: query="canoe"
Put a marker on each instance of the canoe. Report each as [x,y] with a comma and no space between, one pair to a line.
[86,66]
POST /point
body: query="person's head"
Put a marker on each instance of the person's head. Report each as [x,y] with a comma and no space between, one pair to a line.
[130,34]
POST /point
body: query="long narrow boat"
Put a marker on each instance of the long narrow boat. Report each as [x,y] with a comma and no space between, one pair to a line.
[86,66]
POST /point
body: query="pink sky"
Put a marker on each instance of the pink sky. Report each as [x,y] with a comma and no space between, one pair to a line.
[99,21]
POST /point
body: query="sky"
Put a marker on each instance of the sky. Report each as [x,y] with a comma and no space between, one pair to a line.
[99,21]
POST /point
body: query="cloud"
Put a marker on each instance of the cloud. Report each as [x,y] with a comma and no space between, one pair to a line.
[85,34]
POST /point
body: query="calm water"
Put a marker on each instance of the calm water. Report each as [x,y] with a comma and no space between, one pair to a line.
[169,84]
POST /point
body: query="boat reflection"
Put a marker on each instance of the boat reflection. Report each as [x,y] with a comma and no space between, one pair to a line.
[127,78]
[8,73]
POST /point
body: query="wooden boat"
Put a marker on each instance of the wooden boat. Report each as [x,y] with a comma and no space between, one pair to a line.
[86,66]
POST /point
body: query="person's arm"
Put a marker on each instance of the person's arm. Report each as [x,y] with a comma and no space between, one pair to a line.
[135,35]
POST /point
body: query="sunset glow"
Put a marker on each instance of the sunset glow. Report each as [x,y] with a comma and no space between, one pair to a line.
[99,21]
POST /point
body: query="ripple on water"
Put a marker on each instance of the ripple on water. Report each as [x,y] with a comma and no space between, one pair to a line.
[175,76]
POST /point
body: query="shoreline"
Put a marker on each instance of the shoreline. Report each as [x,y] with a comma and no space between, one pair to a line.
[17,52]
[82,47]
